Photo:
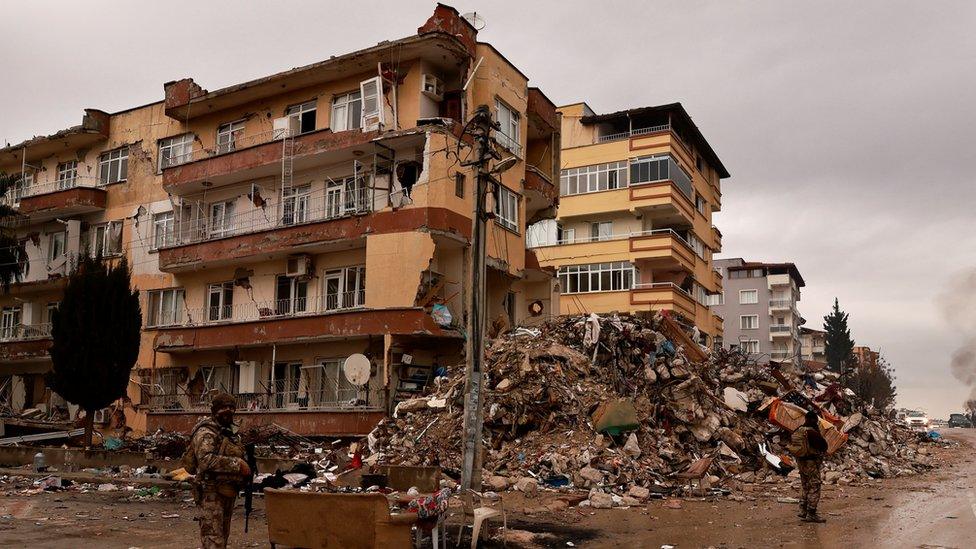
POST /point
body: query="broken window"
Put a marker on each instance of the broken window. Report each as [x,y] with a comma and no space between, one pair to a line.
[107,239]
[506,208]
[10,322]
[164,230]
[228,136]
[295,204]
[291,295]
[55,246]
[113,166]
[67,174]
[347,111]
[221,218]
[220,301]
[305,113]
[508,133]
[175,150]
[344,288]
[371,92]
[165,307]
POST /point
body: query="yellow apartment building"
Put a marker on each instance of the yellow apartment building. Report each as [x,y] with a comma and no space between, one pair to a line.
[279,226]
[634,228]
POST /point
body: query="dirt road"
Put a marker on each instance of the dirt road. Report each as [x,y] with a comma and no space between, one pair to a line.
[937,509]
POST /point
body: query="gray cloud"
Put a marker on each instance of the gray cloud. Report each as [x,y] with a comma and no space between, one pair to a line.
[847,126]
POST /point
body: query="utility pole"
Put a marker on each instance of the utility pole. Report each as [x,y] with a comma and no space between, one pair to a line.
[480,127]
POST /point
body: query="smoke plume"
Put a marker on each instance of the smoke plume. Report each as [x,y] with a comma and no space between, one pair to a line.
[958,304]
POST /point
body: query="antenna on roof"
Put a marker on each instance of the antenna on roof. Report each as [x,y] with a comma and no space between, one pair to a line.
[477,21]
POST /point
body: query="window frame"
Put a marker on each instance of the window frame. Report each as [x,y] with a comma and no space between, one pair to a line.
[67,174]
[743,323]
[306,112]
[748,292]
[118,156]
[101,243]
[371,90]
[231,133]
[51,239]
[747,345]
[177,304]
[345,102]
[169,236]
[590,278]
[459,184]
[225,296]
[169,145]
[594,178]
[510,129]
[507,208]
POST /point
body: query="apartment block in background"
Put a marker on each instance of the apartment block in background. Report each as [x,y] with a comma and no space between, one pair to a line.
[277,227]
[866,358]
[634,228]
[759,305]
[812,345]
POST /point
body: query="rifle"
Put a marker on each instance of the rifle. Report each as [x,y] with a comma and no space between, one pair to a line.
[252,464]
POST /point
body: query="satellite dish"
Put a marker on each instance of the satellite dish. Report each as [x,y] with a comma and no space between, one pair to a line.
[356,369]
[477,21]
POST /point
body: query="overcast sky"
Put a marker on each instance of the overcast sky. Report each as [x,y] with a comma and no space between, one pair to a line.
[848,127]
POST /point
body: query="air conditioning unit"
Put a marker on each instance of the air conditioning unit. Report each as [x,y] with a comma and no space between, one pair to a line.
[286,126]
[432,86]
[299,265]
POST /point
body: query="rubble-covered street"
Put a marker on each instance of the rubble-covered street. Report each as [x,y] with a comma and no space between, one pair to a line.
[932,509]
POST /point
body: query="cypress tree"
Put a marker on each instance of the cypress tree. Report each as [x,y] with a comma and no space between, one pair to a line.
[838,344]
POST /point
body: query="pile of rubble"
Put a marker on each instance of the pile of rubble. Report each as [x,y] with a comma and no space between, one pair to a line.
[631,407]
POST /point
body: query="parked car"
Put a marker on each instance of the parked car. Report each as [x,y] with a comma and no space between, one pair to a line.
[960,420]
[917,420]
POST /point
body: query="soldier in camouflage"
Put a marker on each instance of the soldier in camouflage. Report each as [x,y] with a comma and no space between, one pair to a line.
[220,470]
[808,447]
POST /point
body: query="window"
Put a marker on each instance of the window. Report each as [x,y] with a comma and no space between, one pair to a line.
[591,179]
[508,134]
[347,111]
[55,246]
[749,322]
[371,92]
[700,293]
[748,297]
[745,273]
[10,322]
[601,231]
[697,245]
[228,136]
[164,230]
[700,204]
[598,277]
[344,288]
[221,218]
[165,307]
[459,185]
[291,295]
[107,239]
[176,150]
[326,385]
[716,299]
[220,301]
[67,173]
[20,188]
[565,236]
[113,166]
[750,346]
[699,164]
[660,168]
[49,310]
[506,208]
[305,113]
[295,204]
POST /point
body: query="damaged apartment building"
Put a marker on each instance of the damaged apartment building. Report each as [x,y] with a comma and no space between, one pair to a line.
[279,226]
[634,230]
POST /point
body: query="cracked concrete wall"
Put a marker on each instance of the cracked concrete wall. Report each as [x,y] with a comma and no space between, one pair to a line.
[394,263]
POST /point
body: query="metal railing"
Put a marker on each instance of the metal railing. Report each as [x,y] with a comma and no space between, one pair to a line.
[621,236]
[331,203]
[662,286]
[632,133]
[25,332]
[781,303]
[780,355]
[780,327]
[239,142]
[14,195]
[320,390]
[269,310]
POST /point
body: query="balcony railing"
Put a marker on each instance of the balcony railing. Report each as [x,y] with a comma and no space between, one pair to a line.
[240,141]
[632,133]
[622,236]
[276,212]
[14,195]
[661,286]
[780,355]
[781,303]
[321,389]
[25,332]
[780,327]
[265,310]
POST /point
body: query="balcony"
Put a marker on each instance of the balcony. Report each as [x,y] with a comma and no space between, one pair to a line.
[540,194]
[277,396]
[289,322]
[662,249]
[716,239]
[64,197]
[260,155]
[25,343]
[657,249]
[663,296]
[780,355]
[780,304]
[780,330]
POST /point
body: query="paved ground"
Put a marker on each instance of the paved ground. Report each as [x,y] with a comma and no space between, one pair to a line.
[933,510]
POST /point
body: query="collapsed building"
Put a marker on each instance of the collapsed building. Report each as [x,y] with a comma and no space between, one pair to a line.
[277,227]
